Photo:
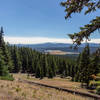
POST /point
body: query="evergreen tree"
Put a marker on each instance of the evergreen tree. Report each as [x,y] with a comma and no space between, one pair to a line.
[39,71]
[8,60]
[16,60]
[3,54]
[50,73]
[76,6]
[3,68]
[95,64]
[84,69]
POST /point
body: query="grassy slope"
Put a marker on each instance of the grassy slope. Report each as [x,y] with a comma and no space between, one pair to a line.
[22,91]
[15,90]
[57,81]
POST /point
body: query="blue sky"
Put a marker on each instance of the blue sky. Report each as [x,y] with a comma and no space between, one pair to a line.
[39,18]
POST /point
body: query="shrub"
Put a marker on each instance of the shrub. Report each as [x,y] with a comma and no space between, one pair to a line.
[18,89]
[98,74]
[2,86]
[94,83]
[8,77]
[24,94]
[98,90]
[97,79]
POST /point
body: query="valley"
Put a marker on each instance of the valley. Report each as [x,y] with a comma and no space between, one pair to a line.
[59,52]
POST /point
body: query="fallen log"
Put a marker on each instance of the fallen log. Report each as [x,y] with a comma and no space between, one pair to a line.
[94,96]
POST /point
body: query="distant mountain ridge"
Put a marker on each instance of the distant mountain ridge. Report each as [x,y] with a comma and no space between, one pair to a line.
[46,45]
[60,46]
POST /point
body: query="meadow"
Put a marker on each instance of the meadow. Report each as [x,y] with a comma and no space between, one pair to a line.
[17,90]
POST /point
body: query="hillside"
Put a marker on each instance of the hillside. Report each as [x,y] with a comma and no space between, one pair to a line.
[60,46]
[17,90]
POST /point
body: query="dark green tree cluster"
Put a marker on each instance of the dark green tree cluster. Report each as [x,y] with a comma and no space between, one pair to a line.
[27,60]
[87,65]
[5,58]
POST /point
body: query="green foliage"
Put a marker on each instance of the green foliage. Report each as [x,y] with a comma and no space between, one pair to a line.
[76,6]
[16,59]
[94,84]
[95,64]
[85,31]
[98,74]
[39,72]
[84,73]
[50,73]
[4,59]
[3,67]
[87,66]
[18,89]
[98,90]
[7,77]
[29,61]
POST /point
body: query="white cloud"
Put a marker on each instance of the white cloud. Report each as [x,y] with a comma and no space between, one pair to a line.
[94,41]
[37,40]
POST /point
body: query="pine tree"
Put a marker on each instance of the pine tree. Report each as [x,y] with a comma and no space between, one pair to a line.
[16,60]
[77,6]
[1,37]
[3,63]
[50,73]
[95,64]
[39,71]
[8,60]
[84,71]
[3,68]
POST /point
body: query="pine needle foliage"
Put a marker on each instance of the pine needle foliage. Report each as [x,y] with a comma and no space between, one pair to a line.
[76,6]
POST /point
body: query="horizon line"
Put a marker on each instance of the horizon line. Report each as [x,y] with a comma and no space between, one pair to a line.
[41,40]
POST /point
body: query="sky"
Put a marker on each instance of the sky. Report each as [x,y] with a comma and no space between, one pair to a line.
[39,21]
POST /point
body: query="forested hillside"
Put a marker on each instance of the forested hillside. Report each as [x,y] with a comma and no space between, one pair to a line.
[27,60]
[60,46]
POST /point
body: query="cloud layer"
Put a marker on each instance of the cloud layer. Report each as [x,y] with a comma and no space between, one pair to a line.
[37,40]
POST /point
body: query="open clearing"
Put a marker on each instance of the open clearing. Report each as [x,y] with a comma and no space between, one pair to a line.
[57,81]
[16,90]
[23,91]
[59,52]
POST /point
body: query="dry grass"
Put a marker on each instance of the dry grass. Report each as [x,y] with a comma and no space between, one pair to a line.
[57,81]
[15,90]
[59,52]
[23,91]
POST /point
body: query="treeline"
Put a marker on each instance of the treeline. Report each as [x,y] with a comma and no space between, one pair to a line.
[27,60]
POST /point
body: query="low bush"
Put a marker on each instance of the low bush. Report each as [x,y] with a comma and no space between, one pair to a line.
[18,89]
[98,90]
[8,77]
[97,79]
[98,75]
[94,84]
